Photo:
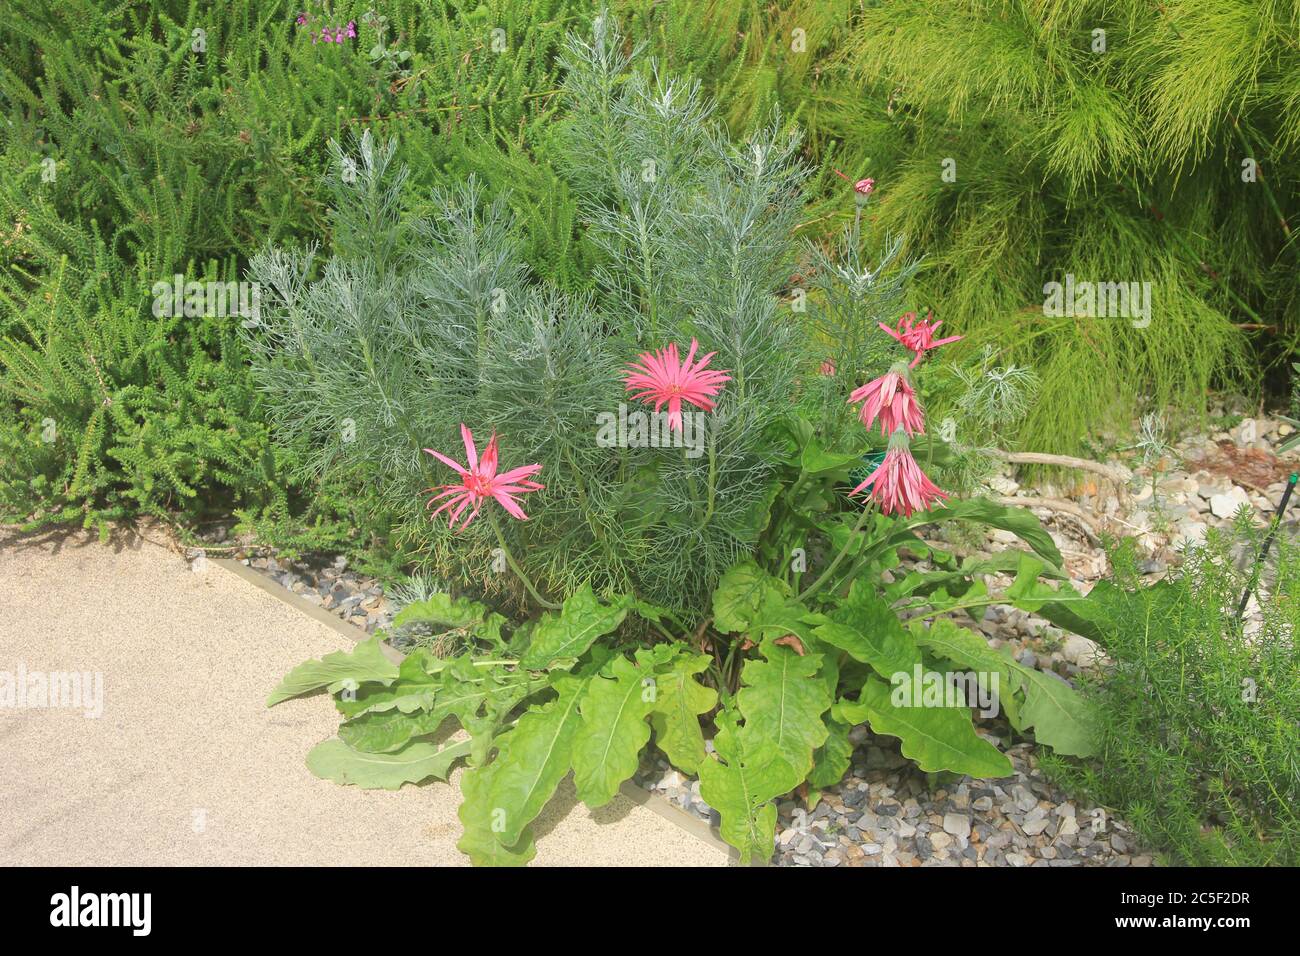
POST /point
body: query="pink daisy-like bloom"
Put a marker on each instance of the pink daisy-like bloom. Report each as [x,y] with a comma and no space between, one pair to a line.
[662,377]
[480,481]
[899,485]
[892,399]
[918,336]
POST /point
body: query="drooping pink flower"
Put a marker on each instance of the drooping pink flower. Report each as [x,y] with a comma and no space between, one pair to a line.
[863,187]
[827,367]
[892,399]
[480,481]
[918,336]
[899,485]
[662,377]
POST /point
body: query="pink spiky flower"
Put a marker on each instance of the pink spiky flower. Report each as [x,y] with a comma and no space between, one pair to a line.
[480,481]
[918,336]
[662,377]
[899,485]
[892,399]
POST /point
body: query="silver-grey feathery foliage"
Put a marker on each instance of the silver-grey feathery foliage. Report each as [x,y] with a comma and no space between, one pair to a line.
[415,326]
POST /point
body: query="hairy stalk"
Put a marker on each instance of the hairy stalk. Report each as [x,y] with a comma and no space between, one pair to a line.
[514,566]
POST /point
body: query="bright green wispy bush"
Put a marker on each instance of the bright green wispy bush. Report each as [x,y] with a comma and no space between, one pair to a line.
[1016,143]
[1199,722]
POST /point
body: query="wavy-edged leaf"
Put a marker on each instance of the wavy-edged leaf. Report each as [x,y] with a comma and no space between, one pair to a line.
[741,784]
[1088,615]
[366,662]
[831,761]
[568,634]
[866,628]
[388,730]
[607,747]
[679,700]
[412,690]
[920,583]
[444,612]
[1060,716]
[477,696]
[481,841]
[936,738]
[532,758]
[971,651]
[335,760]
[1021,522]
[742,591]
[783,700]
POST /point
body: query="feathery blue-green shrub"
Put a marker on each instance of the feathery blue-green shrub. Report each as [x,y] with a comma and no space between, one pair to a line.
[419,323]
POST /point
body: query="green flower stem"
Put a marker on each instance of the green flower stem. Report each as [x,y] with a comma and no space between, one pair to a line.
[514,566]
[825,575]
[664,631]
[712,489]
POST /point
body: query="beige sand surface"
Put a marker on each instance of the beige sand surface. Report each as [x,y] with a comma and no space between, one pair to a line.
[186,766]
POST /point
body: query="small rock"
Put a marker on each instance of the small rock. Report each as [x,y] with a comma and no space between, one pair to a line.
[1226,505]
[958,824]
[1080,650]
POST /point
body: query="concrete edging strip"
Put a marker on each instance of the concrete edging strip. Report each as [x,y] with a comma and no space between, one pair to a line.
[638,795]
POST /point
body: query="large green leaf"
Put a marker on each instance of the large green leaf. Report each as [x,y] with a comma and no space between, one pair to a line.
[971,651]
[448,613]
[505,796]
[679,700]
[481,841]
[335,760]
[831,761]
[866,628]
[412,691]
[740,784]
[1089,615]
[607,746]
[936,738]
[1060,716]
[815,460]
[473,694]
[366,662]
[751,600]
[744,589]
[568,634]
[783,700]
[388,730]
[1021,522]
[920,583]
